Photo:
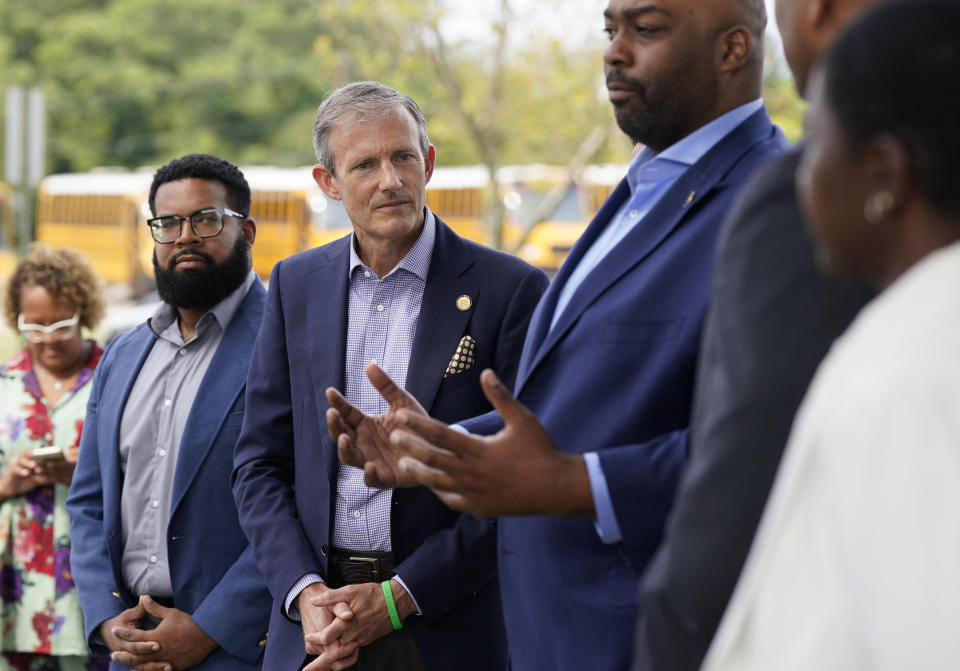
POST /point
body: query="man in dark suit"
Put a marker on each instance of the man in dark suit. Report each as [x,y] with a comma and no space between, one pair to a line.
[386,579]
[165,575]
[772,319]
[583,480]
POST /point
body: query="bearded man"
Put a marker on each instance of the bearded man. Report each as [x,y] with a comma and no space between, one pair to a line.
[152,485]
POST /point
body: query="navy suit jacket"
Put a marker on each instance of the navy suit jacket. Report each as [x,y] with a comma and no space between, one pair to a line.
[285,473]
[214,576]
[615,376]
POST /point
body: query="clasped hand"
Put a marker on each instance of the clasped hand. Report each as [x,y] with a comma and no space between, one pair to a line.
[176,643]
[338,622]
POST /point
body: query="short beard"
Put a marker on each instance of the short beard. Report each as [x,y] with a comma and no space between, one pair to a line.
[191,289]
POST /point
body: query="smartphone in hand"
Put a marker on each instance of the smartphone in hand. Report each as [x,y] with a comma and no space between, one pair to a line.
[47,453]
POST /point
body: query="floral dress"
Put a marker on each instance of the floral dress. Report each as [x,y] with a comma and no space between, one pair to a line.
[41,624]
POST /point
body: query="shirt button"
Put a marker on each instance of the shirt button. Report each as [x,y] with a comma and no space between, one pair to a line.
[167,403]
[373,361]
[379,308]
[366,273]
[634,214]
[182,352]
[162,452]
[356,513]
[154,559]
[155,504]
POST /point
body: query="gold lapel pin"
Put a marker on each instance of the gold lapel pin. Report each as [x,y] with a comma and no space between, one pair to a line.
[464,303]
[689,199]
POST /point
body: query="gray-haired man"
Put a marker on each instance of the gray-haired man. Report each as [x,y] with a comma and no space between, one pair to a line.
[392,578]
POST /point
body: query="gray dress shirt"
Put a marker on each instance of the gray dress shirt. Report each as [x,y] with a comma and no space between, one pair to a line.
[152,426]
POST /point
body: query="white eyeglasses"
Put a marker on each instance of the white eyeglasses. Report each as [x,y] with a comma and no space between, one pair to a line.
[62,330]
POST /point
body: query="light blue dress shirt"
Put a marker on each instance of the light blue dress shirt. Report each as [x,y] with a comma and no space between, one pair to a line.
[649,177]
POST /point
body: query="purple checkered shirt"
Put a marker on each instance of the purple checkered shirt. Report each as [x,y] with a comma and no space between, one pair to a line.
[382,322]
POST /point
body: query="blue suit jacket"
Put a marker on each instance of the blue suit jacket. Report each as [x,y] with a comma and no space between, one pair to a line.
[286,465]
[615,376]
[214,576]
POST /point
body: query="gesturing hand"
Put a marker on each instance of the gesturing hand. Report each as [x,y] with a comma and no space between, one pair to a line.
[363,440]
[517,471]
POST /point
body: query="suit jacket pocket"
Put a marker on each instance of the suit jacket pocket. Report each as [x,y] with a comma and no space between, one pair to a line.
[469,378]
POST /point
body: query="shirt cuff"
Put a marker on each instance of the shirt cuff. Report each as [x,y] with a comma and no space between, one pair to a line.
[292,611]
[606,522]
[404,586]
[459,428]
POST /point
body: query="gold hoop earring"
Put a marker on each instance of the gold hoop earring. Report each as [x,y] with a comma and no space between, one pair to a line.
[877,206]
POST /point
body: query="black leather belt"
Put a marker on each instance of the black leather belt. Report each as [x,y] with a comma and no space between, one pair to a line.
[347,567]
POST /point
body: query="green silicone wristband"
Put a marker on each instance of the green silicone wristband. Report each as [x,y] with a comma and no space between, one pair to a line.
[391,606]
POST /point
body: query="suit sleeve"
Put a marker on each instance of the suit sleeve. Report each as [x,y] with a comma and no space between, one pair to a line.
[235,612]
[483,425]
[641,480]
[90,564]
[453,563]
[263,475]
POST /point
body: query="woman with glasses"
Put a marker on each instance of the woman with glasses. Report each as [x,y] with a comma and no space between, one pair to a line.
[43,398]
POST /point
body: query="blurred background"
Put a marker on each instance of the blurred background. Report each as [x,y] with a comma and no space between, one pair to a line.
[98,93]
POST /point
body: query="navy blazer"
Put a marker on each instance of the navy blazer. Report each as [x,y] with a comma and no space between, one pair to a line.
[615,376]
[212,570]
[285,473]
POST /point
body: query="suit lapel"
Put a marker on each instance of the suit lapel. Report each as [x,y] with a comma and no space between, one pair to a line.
[223,382]
[671,210]
[441,323]
[543,315]
[128,360]
[326,320]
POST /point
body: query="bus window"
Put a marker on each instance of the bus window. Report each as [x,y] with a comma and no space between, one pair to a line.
[329,220]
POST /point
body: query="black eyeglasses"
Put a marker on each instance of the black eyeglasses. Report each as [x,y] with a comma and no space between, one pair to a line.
[205,223]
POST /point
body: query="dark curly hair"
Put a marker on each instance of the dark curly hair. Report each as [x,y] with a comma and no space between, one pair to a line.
[205,166]
[66,274]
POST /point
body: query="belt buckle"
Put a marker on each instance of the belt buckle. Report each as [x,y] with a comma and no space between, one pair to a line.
[374,565]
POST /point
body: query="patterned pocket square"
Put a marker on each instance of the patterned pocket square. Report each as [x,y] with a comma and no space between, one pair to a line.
[463,358]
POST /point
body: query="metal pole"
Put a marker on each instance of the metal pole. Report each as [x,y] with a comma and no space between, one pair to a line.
[36,138]
[13,163]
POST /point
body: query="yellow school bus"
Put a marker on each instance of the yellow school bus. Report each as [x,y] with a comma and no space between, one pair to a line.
[103,213]
[549,208]
[8,232]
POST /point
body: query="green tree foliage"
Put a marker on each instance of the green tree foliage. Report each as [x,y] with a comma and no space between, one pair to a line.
[784,104]
[133,82]
[137,82]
